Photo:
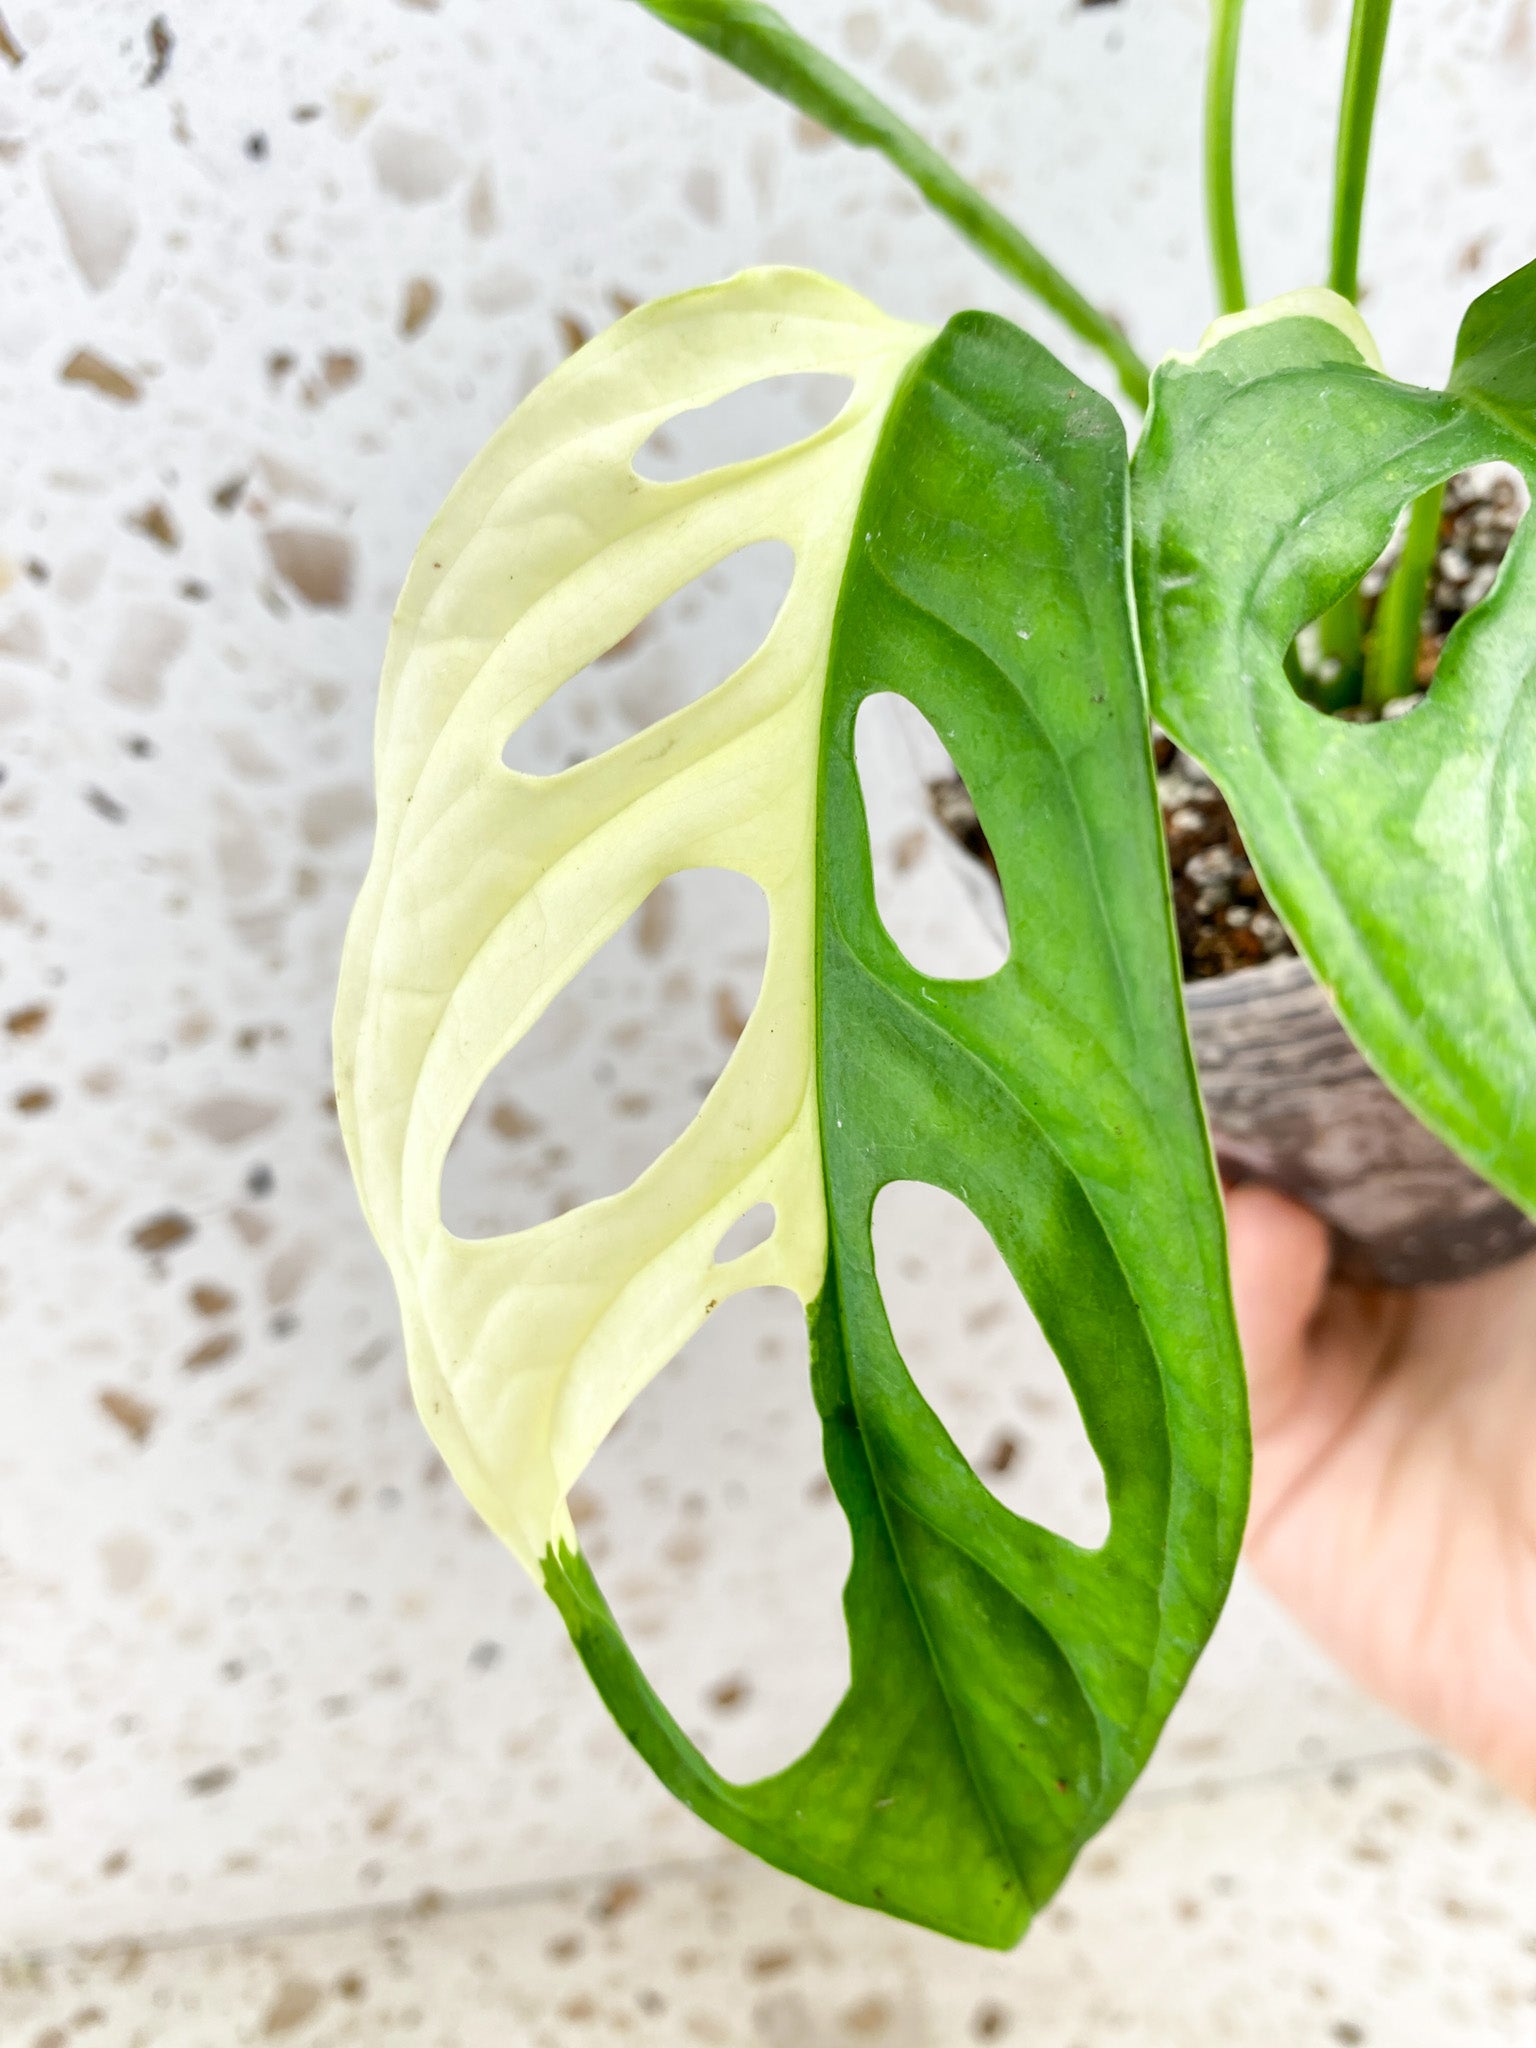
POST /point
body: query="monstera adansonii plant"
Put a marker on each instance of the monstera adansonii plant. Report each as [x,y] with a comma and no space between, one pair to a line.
[971,533]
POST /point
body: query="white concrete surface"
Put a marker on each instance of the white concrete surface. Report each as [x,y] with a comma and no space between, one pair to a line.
[259,1662]
[1379,1906]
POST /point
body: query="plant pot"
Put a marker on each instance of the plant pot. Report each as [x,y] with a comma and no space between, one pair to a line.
[1291,1103]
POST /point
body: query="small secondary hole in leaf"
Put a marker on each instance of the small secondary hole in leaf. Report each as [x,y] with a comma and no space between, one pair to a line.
[759,419]
[746,1233]
[619,1063]
[670,657]
[1375,653]
[943,911]
[709,1522]
[981,1362]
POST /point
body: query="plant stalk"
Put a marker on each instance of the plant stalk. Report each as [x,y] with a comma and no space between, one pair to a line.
[1392,655]
[1220,176]
[758,41]
[1357,115]
[1341,645]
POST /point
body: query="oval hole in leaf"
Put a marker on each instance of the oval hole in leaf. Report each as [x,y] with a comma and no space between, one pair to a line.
[747,1233]
[942,907]
[1329,659]
[715,1536]
[669,658]
[981,1363]
[619,1063]
[758,419]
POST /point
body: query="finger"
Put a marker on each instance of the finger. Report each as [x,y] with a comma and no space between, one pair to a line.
[1279,1256]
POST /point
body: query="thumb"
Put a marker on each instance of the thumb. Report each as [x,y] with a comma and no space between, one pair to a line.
[1279,1256]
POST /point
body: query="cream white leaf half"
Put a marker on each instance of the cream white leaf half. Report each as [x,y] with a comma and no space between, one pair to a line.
[489,890]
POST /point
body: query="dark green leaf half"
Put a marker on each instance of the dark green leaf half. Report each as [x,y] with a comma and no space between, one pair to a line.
[1403,855]
[1006,1686]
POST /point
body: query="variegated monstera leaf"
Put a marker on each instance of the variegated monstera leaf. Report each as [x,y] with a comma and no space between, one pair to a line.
[959,534]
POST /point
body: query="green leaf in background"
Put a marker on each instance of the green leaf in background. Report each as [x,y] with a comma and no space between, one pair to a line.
[1496,354]
[758,41]
[1401,855]
[960,538]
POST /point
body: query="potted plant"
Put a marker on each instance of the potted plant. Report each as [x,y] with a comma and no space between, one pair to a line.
[972,533]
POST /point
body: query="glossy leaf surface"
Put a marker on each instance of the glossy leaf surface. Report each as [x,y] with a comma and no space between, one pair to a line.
[1401,855]
[959,534]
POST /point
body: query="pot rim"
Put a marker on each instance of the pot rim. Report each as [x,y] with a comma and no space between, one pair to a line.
[1284,975]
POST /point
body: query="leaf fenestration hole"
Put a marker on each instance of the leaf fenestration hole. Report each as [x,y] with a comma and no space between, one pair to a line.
[747,1233]
[1375,653]
[618,1065]
[943,910]
[981,1362]
[709,1522]
[671,657]
[758,419]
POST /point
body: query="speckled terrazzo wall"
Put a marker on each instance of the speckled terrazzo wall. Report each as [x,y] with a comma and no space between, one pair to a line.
[268,277]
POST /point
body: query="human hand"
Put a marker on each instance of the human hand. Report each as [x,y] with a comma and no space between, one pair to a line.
[1394,1478]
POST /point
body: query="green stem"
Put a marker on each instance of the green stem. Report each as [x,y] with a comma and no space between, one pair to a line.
[1220,182]
[1341,643]
[759,42]
[1326,662]
[1392,657]
[1357,114]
